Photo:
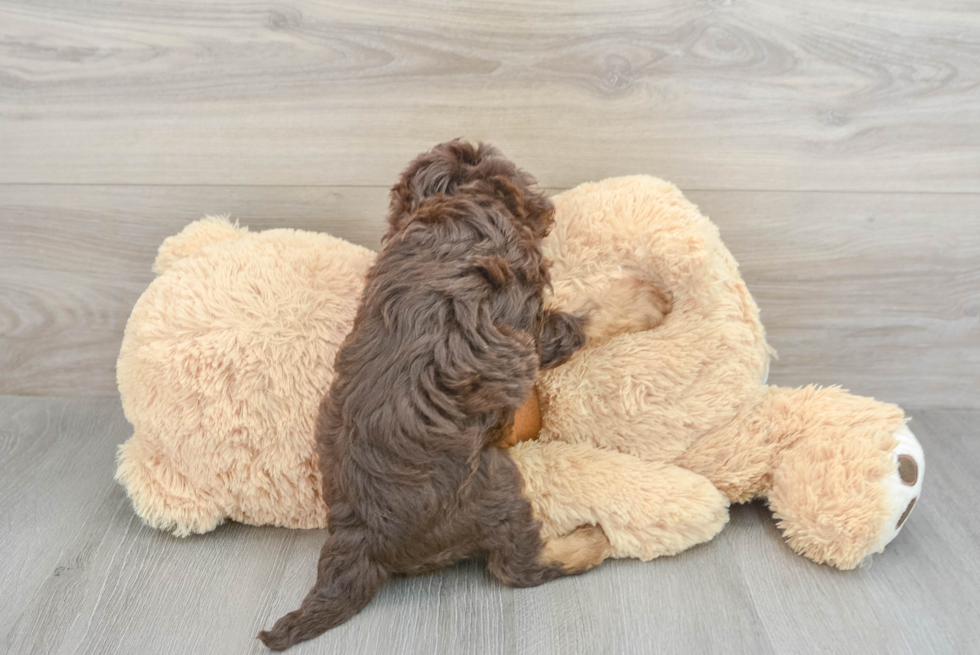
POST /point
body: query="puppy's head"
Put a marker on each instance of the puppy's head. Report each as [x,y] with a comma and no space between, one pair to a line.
[481,172]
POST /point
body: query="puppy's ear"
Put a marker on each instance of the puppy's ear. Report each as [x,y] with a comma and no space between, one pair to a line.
[561,335]
[440,170]
[488,367]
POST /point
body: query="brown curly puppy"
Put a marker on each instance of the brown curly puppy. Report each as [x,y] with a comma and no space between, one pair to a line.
[445,347]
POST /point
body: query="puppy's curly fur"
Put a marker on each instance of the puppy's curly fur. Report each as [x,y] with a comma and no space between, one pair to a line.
[446,344]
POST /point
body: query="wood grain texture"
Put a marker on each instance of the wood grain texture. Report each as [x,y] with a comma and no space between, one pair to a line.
[877,292]
[48,454]
[748,94]
[836,144]
[74,260]
[81,574]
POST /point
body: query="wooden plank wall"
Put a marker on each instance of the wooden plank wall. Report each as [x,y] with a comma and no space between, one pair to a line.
[837,144]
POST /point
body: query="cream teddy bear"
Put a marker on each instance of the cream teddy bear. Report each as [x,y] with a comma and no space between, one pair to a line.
[650,431]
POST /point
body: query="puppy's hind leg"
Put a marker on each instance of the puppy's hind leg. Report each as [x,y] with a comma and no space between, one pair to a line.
[346,582]
[518,555]
[577,552]
[571,554]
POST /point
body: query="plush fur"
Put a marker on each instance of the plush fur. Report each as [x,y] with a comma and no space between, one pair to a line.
[225,359]
[673,375]
[650,430]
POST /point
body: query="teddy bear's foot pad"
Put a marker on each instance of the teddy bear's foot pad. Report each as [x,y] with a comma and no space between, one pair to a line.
[905,484]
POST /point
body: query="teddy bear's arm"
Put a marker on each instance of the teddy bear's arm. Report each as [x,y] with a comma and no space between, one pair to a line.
[646,509]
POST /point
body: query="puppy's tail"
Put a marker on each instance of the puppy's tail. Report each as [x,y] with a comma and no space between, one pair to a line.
[346,582]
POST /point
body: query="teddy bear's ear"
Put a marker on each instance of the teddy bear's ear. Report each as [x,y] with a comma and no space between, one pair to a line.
[194,238]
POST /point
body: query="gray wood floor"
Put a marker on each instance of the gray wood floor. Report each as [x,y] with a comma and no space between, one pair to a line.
[81,574]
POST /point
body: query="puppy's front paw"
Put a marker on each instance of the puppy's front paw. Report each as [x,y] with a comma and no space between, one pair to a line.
[561,335]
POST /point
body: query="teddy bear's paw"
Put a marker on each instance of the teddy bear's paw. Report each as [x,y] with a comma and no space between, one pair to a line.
[904,484]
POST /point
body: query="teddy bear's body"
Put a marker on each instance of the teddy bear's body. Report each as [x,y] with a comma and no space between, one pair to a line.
[224,362]
[674,374]
[651,430]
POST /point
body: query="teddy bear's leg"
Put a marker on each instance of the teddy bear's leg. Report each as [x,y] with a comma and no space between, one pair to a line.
[161,495]
[840,472]
[847,478]
[646,509]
